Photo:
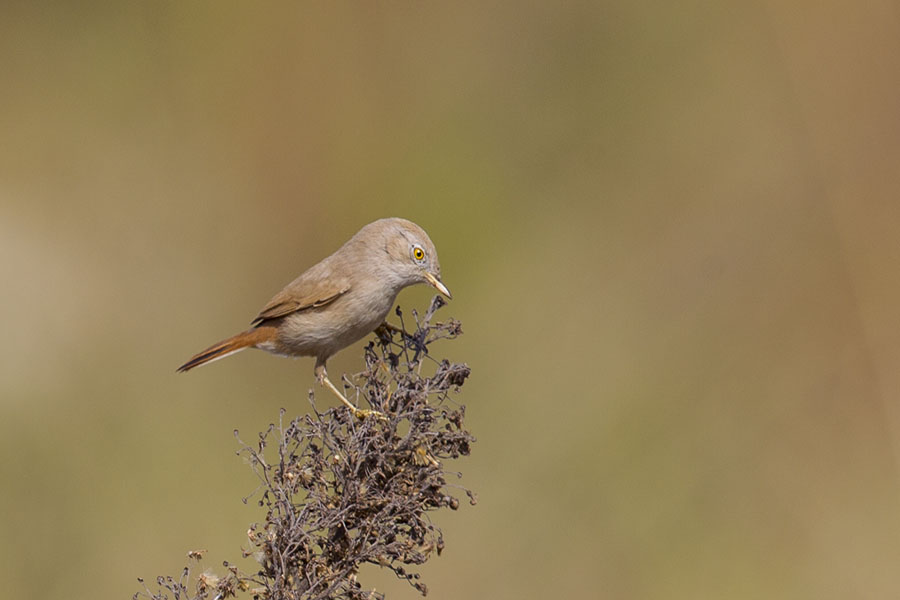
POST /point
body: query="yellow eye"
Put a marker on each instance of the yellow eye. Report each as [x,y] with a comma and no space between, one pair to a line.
[418,253]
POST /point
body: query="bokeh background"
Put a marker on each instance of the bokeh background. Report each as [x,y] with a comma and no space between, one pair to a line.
[671,230]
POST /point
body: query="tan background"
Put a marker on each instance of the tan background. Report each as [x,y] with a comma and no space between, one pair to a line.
[671,230]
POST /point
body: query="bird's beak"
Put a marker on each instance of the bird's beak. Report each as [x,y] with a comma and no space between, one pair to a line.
[438,285]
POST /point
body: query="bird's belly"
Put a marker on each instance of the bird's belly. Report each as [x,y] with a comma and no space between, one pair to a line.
[325,330]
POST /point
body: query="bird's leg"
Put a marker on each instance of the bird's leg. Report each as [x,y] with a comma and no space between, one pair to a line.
[360,413]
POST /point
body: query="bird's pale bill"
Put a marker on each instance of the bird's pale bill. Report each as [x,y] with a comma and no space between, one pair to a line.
[438,284]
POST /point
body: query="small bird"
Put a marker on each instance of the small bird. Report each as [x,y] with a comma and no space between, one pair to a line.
[339,300]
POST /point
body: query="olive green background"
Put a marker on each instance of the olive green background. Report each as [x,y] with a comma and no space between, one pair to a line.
[671,231]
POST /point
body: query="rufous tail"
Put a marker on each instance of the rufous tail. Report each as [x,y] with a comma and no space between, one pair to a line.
[236,343]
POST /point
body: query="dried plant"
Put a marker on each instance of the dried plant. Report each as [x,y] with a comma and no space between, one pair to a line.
[340,492]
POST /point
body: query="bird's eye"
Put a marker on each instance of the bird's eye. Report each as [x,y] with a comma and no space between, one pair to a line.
[418,254]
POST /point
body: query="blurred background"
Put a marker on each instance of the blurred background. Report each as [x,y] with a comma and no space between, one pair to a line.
[671,231]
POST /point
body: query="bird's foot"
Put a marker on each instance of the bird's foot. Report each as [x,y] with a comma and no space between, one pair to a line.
[364,413]
[386,331]
[359,413]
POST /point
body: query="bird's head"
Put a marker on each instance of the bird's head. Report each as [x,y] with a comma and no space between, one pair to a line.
[412,255]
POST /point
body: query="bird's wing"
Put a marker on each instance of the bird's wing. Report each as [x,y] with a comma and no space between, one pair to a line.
[316,287]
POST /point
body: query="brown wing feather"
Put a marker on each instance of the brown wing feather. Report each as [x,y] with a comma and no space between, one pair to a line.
[316,287]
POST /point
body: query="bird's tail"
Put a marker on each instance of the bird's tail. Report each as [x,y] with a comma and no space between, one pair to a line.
[236,343]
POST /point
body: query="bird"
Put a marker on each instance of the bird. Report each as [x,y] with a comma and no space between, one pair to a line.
[339,300]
